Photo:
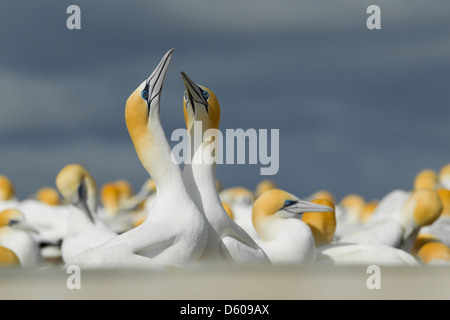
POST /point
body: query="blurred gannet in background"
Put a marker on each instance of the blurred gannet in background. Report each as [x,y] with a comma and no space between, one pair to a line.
[49,196]
[15,235]
[444,176]
[277,217]
[175,232]
[441,227]
[323,226]
[264,186]
[400,228]
[85,229]
[120,206]
[226,240]
[430,250]
[393,201]
[322,194]
[348,214]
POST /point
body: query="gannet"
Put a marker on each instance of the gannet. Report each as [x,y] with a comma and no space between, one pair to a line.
[15,235]
[441,227]
[277,217]
[430,250]
[226,240]
[263,186]
[348,214]
[48,195]
[400,228]
[322,194]
[85,229]
[120,206]
[328,251]
[444,176]
[175,233]
[393,201]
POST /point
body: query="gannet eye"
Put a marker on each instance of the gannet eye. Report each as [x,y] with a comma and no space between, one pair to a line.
[288,203]
[144,94]
[205,95]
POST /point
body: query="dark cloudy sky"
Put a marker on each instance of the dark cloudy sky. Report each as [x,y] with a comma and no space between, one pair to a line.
[359,111]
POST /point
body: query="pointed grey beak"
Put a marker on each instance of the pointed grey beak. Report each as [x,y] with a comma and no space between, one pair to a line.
[302,206]
[86,209]
[195,93]
[22,225]
[155,81]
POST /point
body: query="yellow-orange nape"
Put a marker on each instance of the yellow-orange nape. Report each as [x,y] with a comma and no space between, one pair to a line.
[322,224]
[269,203]
[48,195]
[8,215]
[427,206]
[200,104]
[426,179]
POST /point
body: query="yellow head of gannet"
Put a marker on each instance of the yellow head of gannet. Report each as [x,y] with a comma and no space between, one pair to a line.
[444,195]
[264,186]
[322,224]
[79,188]
[444,176]
[7,190]
[109,196]
[353,204]
[16,219]
[279,204]
[115,194]
[8,258]
[277,217]
[421,209]
[125,189]
[428,248]
[48,195]
[200,104]
[426,179]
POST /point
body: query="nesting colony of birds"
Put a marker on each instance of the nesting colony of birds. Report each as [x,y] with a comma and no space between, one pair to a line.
[183,217]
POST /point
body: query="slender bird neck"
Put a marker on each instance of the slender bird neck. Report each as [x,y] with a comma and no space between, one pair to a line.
[200,173]
[155,154]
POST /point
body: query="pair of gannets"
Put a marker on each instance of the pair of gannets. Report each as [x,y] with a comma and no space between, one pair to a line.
[175,232]
[187,222]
